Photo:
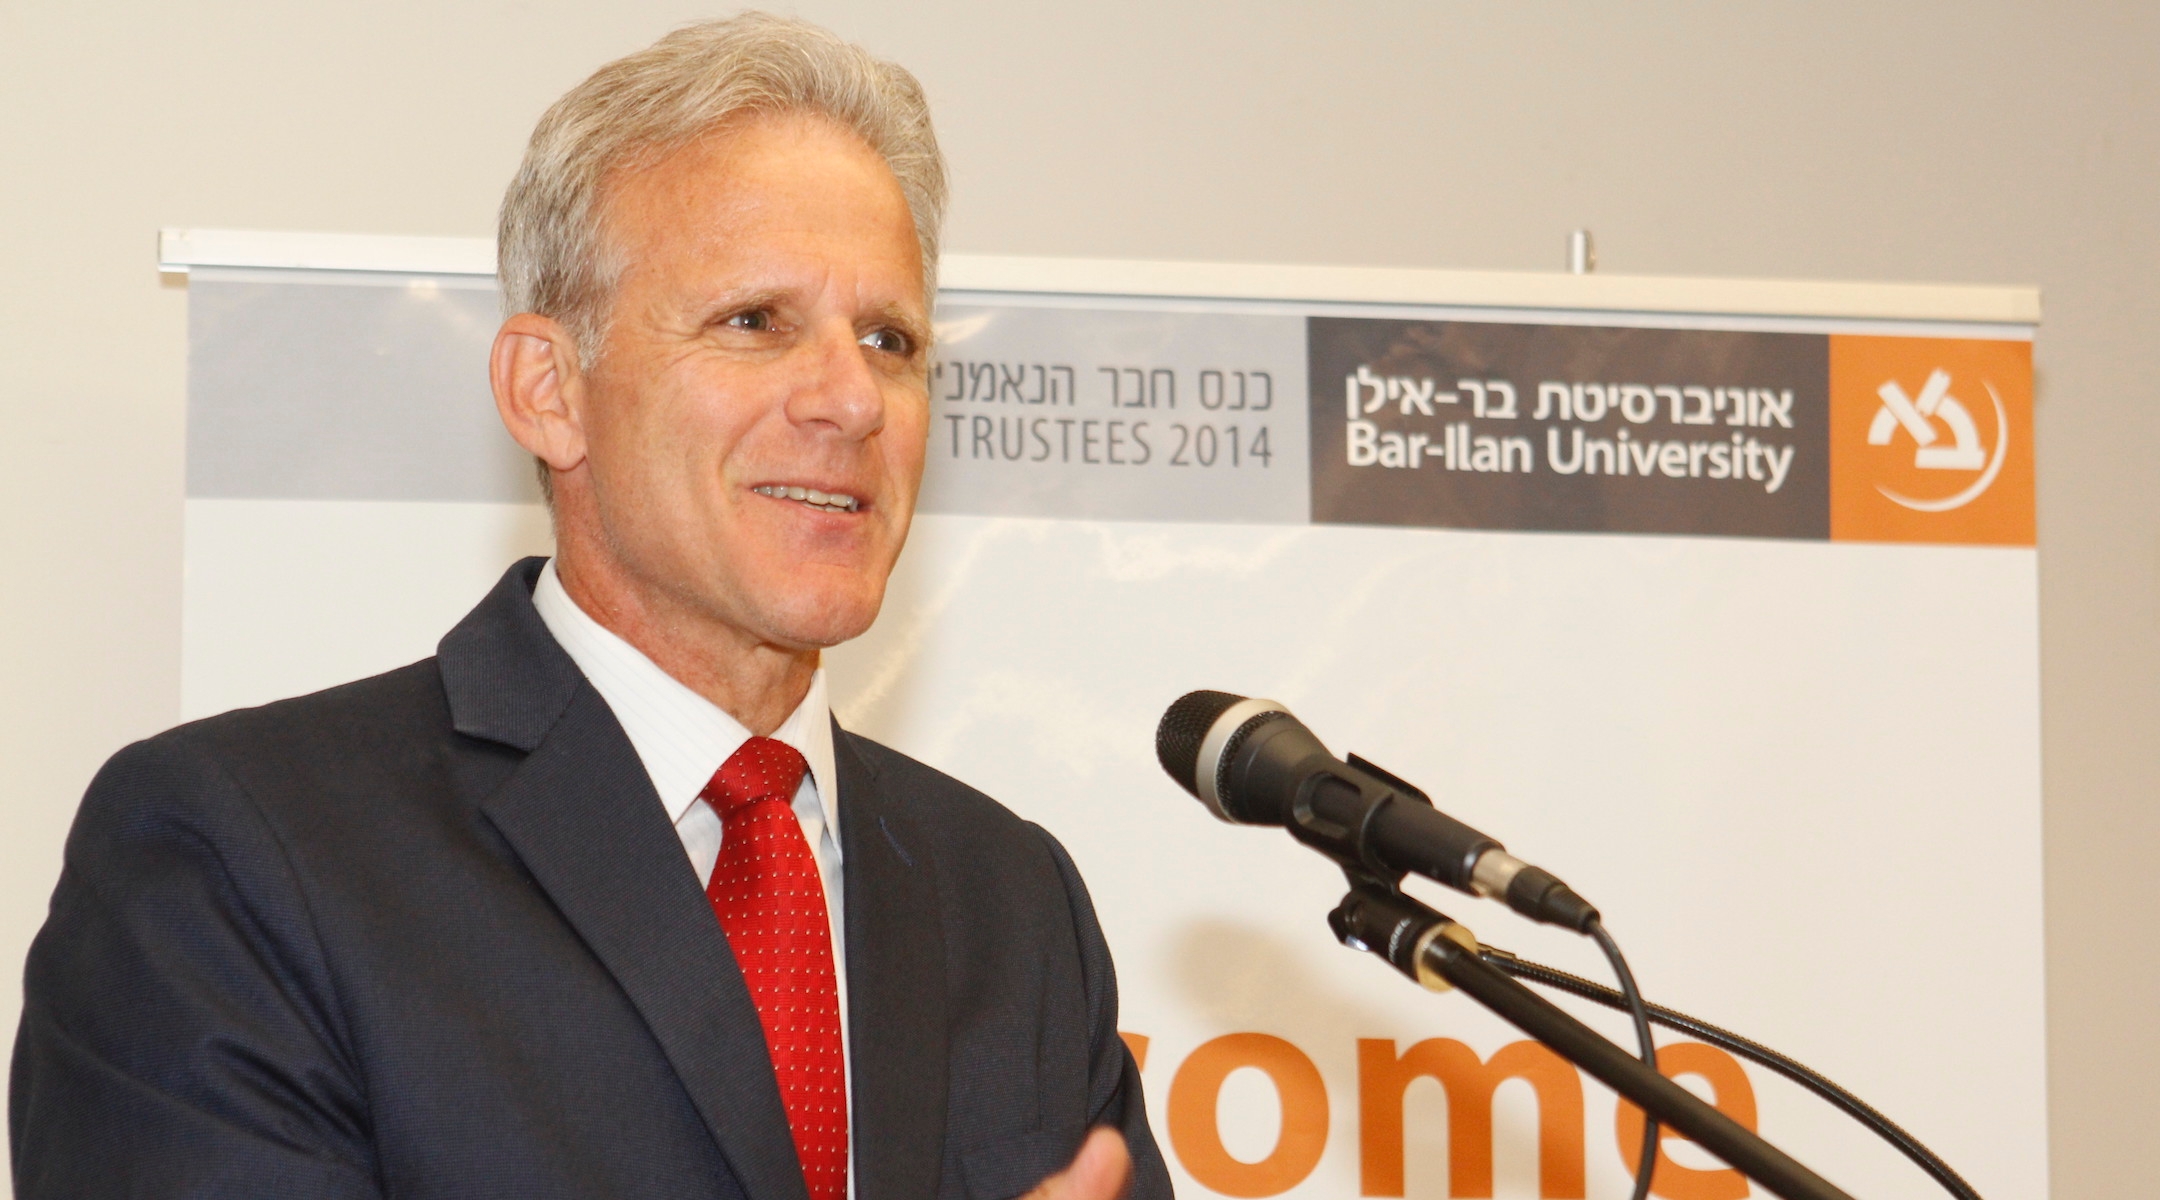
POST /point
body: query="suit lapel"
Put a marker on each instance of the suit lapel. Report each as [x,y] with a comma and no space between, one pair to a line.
[896,988]
[581,814]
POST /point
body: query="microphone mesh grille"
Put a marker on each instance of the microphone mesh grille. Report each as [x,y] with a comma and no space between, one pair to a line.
[1184,725]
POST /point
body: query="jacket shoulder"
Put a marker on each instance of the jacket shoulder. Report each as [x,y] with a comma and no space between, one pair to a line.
[392,703]
[957,814]
[929,788]
[378,745]
[982,847]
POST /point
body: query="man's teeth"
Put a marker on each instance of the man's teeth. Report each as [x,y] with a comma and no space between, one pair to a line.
[828,501]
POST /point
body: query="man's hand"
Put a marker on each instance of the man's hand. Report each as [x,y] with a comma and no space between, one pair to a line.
[1098,1172]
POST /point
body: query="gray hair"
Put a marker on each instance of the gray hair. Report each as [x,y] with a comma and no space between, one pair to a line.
[552,252]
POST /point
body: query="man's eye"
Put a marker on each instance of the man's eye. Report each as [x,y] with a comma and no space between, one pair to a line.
[757,320]
[890,341]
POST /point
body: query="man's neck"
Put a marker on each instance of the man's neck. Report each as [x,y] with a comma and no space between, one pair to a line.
[755,682]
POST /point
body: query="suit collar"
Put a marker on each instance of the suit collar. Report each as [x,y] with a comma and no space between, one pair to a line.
[506,677]
[680,735]
[896,986]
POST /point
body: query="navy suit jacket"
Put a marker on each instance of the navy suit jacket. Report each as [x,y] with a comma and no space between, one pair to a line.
[431,935]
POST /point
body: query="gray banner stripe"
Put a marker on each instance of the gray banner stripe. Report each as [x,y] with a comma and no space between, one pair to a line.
[375,388]
[1118,414]
[346,391]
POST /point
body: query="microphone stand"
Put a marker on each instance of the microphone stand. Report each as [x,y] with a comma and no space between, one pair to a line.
[1439,954]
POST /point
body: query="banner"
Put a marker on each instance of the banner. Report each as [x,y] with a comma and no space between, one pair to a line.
[1718,603]
[1480,425]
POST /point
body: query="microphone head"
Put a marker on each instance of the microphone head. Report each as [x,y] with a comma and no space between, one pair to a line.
[1183,727]
[1197,736]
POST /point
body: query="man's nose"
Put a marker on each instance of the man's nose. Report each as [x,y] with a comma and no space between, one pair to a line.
[838,388]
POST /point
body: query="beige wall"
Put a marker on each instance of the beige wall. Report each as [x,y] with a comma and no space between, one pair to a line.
[1988,143]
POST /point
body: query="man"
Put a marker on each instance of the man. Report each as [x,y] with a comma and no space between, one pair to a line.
[598,901]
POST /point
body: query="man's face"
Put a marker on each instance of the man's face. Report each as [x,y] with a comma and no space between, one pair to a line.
[767,344]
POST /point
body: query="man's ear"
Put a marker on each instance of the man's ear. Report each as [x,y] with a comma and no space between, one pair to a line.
[539,388]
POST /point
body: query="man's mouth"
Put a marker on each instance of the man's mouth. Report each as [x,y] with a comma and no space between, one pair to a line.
[823,501]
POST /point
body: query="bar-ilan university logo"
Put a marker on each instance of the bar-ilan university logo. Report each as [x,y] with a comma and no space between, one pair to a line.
[1931,440]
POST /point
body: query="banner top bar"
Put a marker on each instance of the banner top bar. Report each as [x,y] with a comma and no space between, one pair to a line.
[180,250]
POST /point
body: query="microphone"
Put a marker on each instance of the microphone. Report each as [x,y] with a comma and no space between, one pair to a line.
[1251,763]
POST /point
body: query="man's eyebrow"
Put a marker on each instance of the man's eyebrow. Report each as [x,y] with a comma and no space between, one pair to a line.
[745,300]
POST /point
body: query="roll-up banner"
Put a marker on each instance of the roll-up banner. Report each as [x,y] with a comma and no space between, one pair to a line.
[1717,598]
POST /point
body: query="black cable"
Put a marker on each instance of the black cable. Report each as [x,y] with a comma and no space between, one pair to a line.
[1755,1052]
[1646,1159]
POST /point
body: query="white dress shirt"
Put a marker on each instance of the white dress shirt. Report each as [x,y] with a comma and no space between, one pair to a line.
[682,738]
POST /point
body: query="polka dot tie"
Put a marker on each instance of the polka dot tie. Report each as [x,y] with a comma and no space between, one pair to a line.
[771,903]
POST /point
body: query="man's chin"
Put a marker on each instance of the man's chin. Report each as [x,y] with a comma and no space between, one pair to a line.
[819,628]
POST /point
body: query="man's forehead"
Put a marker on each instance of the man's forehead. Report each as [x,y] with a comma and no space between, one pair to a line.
[782,189]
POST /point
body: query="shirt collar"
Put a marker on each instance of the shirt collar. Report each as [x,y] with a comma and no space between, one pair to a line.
[680,736]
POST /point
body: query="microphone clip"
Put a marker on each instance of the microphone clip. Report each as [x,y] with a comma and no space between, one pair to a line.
[1377,916]
[1370,872]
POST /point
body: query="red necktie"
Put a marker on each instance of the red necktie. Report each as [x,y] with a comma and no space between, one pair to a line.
[771,903]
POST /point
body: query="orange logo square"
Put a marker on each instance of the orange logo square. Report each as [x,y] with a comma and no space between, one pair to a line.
[1931,440]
